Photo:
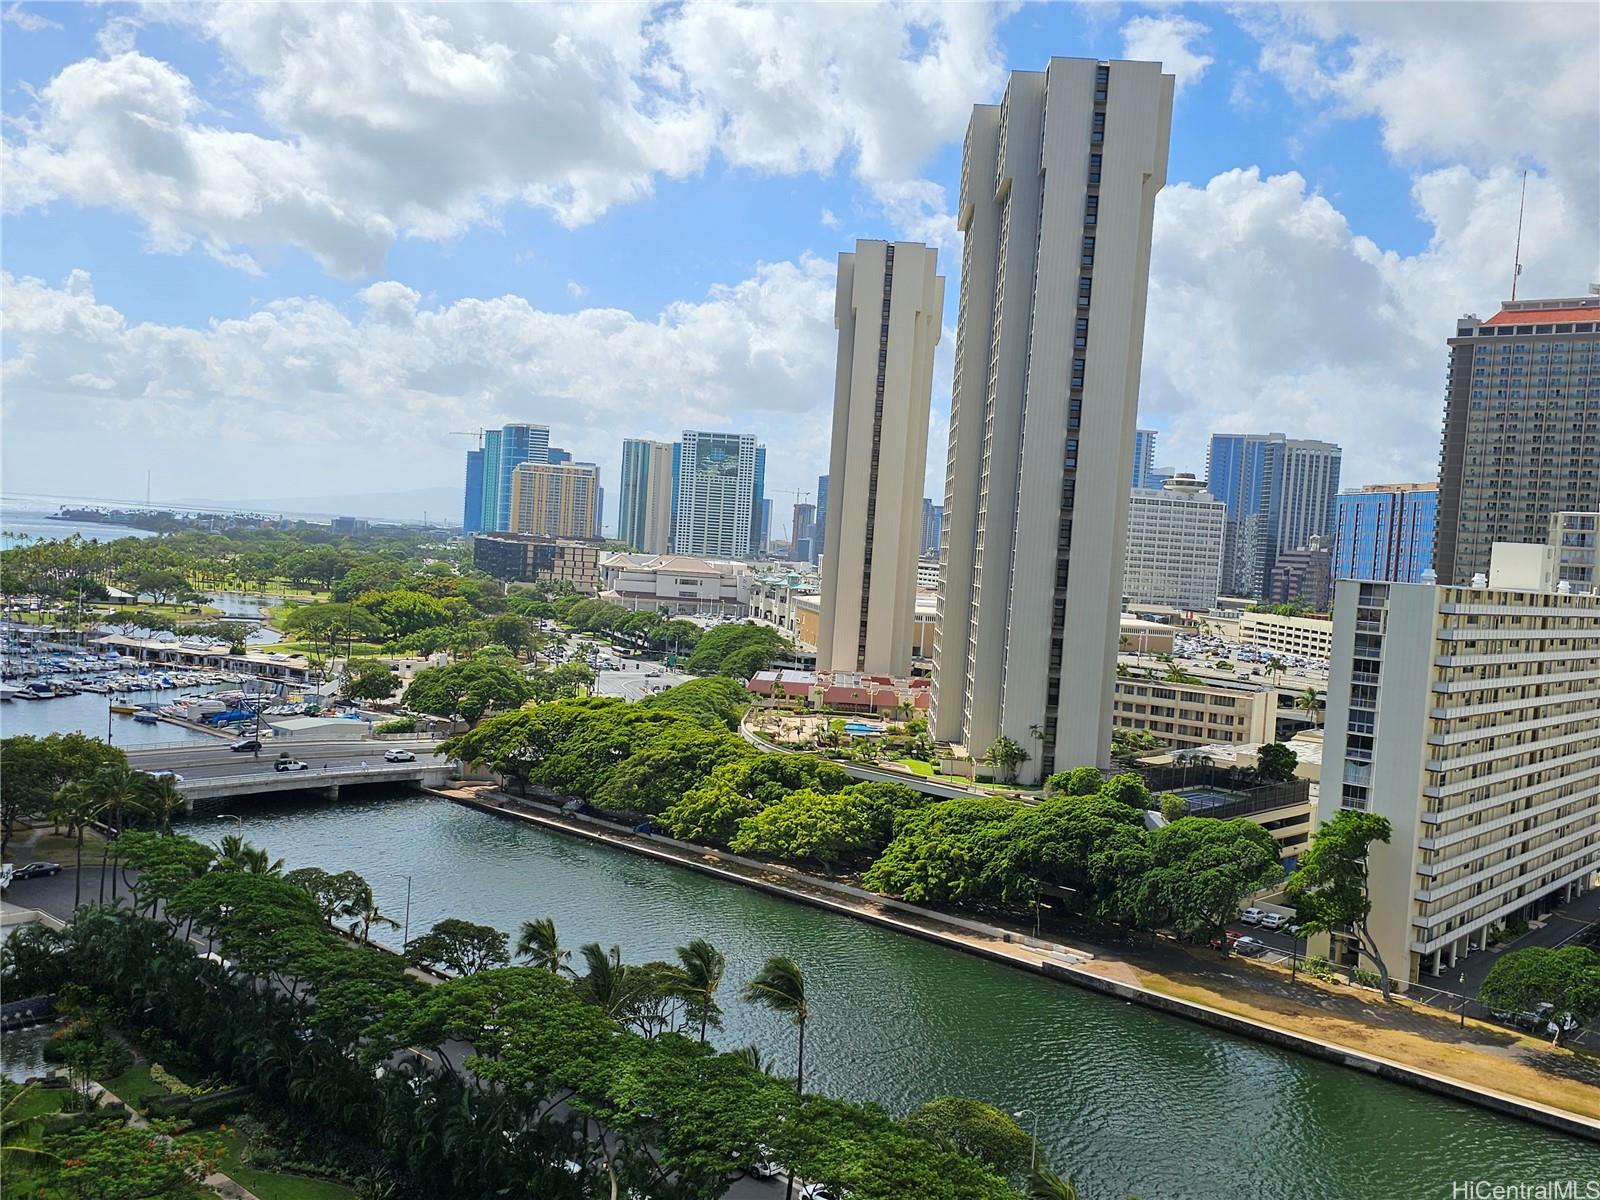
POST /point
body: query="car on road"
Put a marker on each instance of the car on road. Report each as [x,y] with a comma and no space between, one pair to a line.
[399,756]
[1252,916]
[1248,945]
[289,764]
[245,745]
[36,870]
[172,775]
[1273,920]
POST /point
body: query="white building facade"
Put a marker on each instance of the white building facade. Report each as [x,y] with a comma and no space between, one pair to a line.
[1174,553]
[1042,415]
[887,308]
[717,495]
[676,584]
[1466,716]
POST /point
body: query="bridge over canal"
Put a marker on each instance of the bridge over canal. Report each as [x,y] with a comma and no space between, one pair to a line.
[212,772]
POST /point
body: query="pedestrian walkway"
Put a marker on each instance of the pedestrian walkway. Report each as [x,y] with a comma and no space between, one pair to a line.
[223,1185]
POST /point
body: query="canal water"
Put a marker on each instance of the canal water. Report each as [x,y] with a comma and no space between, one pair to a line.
[90,712]
[1129,1101]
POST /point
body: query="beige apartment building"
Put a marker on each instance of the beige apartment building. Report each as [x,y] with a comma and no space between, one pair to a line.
[1193,714]
[888,307]
[1521,429]
[1050,335]
[644,506]
[1466,716]
[556,500]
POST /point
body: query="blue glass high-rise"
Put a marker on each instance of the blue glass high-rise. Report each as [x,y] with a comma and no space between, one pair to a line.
[472,505]
[1385,533]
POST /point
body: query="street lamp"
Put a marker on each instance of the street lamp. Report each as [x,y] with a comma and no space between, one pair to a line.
[1463,999]
[239,821]
[405,936]
[1033,1152]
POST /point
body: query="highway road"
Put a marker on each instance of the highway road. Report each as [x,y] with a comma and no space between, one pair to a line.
[217,761]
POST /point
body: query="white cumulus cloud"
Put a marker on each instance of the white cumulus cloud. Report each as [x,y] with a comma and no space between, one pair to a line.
[1168,40]
[386,121]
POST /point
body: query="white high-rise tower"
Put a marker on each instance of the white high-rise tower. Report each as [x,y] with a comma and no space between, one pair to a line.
[888,307]
[1058,189]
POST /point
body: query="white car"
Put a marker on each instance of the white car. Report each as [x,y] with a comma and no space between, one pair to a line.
[172,775]
[1248,945]
[1252,916]
[1273,920]
[289,764]
[399,756]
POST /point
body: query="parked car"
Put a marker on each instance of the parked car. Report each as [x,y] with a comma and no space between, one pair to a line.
[172,775]
[289,764]
[1248,945]
[1252,916]
[1227,938]
[399,756]
[245,745]
[36,870]
[1273,920]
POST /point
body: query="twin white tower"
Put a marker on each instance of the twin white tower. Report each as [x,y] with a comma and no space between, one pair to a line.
[1058,188]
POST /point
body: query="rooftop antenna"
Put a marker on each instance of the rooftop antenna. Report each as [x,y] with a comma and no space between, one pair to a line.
[1517,257]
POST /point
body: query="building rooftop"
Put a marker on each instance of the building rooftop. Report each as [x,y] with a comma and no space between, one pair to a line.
[1543,316]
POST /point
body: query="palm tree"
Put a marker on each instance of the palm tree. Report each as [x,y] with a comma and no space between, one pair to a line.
[13,1128]
[1047,1185]
[1275,667]
[366,911]
[1310,703]
[781,986]
[701,974]
[76,804]
[609,982]
[236,854]
[162,798]
[539,945]
[120,789]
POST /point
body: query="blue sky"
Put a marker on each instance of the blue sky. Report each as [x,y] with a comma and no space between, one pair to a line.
[318,239]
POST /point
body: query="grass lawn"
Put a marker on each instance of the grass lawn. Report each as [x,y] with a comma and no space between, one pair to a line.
[269,1186]
[927,771]
[356,648]
[40,1101]
[132,1084]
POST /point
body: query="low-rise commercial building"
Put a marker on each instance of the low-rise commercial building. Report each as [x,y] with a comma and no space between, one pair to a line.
[286,668]
[676,584]
[1466,717]
[530,558]
[1311,637]
[1191,714]
[845,691]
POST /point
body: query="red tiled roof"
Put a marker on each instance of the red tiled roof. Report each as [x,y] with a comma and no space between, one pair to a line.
[1543,316]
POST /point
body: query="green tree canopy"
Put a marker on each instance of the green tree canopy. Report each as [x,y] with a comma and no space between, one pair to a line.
[369,679]
[1276,762]
[989,1134]
[460,947]
[1329,890]
[483,683]
[1202,870]
[738,650]
[1567,979]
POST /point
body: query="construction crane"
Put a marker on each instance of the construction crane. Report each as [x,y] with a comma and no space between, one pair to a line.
[477,433]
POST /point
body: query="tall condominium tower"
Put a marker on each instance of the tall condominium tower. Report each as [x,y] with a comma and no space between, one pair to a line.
[644,520]
[504,450]
[932,528]
[472,503]
[1385,531]
[820,542]
[1144,459]
[1521,429]
[887,308]
[1042,411]
[717,494]
[1279,492]
[556,499]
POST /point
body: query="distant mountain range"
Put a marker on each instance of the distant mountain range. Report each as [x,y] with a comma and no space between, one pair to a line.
[438,505]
